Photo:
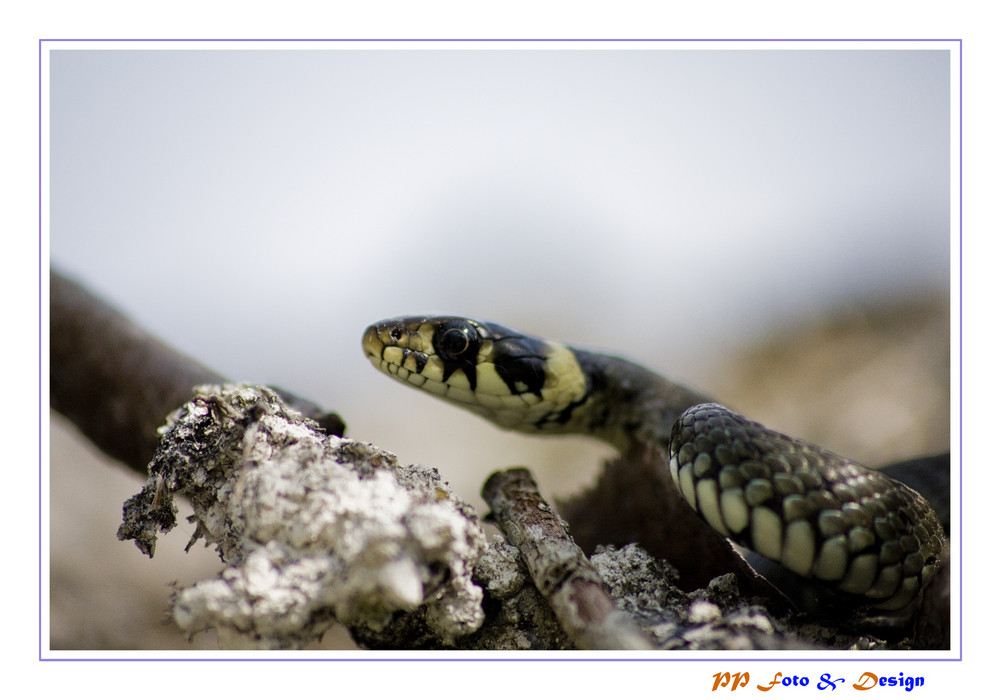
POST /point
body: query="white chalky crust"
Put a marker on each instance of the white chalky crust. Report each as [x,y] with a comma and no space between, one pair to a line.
[317,530]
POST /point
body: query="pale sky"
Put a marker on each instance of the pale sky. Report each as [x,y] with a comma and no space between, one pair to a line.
[257,209]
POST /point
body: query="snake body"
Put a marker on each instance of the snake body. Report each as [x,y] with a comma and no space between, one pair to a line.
[821,516]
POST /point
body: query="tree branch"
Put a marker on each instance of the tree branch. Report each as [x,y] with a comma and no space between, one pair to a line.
[117,383]
[313,529]
[558,567]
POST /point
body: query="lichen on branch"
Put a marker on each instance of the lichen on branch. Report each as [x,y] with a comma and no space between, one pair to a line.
[313,529]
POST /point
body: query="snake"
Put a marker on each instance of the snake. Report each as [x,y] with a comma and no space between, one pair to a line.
[873,540]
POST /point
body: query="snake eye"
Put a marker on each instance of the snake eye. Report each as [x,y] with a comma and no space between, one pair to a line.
[455,340]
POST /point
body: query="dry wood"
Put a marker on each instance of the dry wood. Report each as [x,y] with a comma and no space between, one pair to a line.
[559,568]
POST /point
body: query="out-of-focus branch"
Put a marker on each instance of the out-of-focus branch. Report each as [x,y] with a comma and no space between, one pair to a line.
[116,382]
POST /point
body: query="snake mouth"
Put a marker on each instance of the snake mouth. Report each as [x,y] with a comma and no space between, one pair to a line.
[372,344]
[402,348]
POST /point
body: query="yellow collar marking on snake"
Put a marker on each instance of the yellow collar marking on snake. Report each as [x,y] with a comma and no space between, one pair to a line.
[818,514]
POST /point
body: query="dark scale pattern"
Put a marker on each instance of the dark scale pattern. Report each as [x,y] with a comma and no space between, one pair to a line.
[520,361]
[816,513]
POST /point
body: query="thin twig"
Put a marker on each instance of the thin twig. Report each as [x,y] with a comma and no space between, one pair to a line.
[559,568]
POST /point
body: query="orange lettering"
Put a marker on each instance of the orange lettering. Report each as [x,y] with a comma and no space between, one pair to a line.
[868,677]
[723,679]
[776,681]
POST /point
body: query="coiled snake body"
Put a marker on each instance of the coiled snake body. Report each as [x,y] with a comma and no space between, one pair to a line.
[819,515]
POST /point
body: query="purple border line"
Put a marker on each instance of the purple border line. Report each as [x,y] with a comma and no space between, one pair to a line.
[961,403]
[506,39]
[445,655]
[40,363]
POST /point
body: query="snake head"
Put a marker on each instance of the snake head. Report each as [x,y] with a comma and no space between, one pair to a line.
[513,379]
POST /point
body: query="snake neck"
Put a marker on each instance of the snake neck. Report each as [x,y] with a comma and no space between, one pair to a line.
[629,405]
[819,515]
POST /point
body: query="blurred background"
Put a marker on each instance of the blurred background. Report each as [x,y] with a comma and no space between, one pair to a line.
[770,226]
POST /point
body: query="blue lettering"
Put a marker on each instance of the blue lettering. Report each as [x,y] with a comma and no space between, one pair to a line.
[827,683]
[868,680]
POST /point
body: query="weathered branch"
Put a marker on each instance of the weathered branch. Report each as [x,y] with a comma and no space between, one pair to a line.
[314,529]
[558,567]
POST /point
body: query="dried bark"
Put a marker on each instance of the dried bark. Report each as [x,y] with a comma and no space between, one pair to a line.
[558,567]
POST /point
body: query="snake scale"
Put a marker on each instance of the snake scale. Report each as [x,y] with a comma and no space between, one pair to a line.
[872,539]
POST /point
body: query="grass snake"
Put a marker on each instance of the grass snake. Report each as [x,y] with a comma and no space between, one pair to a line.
[872,539]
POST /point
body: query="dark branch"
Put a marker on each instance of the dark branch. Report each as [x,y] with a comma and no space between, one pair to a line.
[117,383]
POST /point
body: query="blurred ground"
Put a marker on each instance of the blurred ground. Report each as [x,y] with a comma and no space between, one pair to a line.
[871,383]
